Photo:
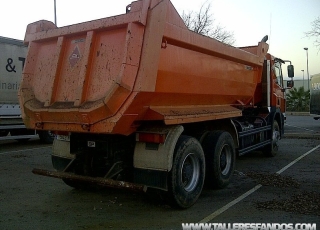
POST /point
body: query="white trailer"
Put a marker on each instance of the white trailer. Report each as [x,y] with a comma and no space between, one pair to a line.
[12,57]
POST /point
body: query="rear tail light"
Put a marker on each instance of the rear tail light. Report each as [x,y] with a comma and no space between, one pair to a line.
[158,138]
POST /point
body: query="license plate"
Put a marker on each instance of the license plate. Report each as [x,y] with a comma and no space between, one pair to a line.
[63,138]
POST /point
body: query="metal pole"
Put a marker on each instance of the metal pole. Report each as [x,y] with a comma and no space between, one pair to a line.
[306,49]
[303,78]
[55,13]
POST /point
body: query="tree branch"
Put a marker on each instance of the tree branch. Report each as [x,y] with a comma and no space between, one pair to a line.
[202,22]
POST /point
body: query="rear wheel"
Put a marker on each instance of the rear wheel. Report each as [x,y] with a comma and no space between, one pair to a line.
[186,178]
[220,155]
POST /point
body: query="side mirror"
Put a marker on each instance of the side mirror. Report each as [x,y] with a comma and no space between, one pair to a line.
[290,71]
[290,84]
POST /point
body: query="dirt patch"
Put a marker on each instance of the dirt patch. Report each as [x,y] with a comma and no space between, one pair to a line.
[303,203]
[273,179]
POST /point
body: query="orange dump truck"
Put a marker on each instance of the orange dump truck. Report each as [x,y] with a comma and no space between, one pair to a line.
[139,101]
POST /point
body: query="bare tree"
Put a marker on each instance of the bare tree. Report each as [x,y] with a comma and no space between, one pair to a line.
[315,32]
[202,22]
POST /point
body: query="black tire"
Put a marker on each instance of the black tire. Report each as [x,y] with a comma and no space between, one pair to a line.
[46,137]
[220,156]
[272,149]
[186,177]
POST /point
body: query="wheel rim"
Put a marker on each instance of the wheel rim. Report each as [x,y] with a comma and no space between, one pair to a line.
[190,172]
[225,160]
[275,138]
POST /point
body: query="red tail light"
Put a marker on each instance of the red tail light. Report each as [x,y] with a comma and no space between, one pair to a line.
[151,137]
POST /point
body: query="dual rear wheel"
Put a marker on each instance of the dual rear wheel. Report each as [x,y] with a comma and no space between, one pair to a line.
[192,163]
[220,158]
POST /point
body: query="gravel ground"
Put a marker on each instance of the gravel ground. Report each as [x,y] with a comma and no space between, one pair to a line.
[274,179]
[303,203]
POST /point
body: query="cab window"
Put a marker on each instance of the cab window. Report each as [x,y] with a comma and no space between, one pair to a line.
[278,74]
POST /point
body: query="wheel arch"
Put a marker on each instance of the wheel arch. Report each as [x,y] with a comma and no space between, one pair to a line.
[160,159]
[277,115]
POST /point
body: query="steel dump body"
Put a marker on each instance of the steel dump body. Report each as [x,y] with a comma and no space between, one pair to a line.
[111,74]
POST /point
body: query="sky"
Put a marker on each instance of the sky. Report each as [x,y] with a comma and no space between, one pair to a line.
[284,21]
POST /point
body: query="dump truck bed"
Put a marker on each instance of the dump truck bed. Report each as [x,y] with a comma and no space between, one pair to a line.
[112,74]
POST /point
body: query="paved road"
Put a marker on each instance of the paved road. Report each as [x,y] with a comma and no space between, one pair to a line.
[302,126]
[29,201]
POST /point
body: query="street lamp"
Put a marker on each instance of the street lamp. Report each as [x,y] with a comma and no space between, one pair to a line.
[303,78]
[55,13]
[306,49]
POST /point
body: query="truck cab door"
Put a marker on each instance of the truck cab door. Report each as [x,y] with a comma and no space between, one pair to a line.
[277,96]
